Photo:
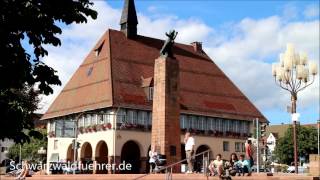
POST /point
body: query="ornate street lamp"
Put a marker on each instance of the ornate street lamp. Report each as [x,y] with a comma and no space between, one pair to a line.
[293,74]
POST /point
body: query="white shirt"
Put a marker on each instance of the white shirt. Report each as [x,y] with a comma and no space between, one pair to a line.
[190,143]
[153,156]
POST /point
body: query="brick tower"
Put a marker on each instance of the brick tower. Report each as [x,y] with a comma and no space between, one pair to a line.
[166,110]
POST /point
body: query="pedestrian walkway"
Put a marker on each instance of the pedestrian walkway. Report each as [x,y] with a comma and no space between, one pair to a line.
[162,177]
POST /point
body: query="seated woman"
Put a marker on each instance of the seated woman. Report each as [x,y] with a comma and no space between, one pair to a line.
[216,166]
[243,166]
[233,168]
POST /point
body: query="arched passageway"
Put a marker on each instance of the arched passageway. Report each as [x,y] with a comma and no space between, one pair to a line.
[198,166]
[101,157]
[86,157]
[130,153]
[70,154]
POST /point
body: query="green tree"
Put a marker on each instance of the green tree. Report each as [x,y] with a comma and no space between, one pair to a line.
[25,27]
[306,140]
[29,150]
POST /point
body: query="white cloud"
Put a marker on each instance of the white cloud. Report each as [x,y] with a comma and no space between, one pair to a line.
[245,57]
[242,49]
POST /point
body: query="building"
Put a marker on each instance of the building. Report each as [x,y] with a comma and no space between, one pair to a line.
[271,142]
[274,132]
[110,96]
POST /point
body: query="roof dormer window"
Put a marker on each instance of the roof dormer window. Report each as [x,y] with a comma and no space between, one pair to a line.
[98,50]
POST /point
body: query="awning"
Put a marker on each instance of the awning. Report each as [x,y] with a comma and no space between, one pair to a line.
[54,157]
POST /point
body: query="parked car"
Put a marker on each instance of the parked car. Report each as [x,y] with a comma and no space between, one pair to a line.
[261,169]
[291,169]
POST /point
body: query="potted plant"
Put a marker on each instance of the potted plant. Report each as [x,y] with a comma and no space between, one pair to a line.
[94,128]
[129,125]
[109,125]
[89,129]
[99,127]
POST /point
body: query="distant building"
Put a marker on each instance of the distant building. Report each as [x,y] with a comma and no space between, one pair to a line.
[274,132]
[279,130]
[110,96]
[271,142]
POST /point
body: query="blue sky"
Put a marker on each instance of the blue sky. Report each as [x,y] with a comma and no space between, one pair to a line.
[242,37]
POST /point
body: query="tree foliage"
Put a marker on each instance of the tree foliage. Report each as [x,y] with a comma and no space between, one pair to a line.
[306,140]
[25,27]
[29,150]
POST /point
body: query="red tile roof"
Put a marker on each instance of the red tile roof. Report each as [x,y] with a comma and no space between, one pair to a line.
[124,65]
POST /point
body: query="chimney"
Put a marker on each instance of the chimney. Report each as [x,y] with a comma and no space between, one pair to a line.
[129,20]
[197,46]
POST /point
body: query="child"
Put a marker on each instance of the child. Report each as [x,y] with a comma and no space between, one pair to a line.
[243,166]
[218,165]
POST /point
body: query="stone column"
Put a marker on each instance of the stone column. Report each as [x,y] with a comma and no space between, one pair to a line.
[143,165]
[94,167]
[116,165]
[166,110]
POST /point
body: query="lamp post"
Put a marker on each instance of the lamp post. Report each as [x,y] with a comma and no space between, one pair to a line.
[292,74]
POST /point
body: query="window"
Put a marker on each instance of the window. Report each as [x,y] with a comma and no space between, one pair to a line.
[68,129]
[145,117]
[237,146]
[150,93]
[183,121]
[194,123]
[132,117]
[224,125]
[64,128]
[3,149]
[59,128]
[142,117]
[237,126]
[87,120]
[100,118]
[189,121]
[213,126]
[202,122]
[225,146]
[89,72]
[150,118]
[52,124]
[55,144]
[121,116]
[98,50]
[107,117]
[219,125]
[243,147]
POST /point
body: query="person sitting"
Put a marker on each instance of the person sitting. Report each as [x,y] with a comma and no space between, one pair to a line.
[24,171]
[243,166]
[216,166]
[211,168]
[232,166]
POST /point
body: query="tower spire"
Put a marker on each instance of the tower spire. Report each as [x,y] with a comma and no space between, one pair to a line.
[129,20]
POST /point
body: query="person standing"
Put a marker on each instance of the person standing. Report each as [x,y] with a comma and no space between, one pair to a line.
[153,157]
[249,154]
[189,148]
